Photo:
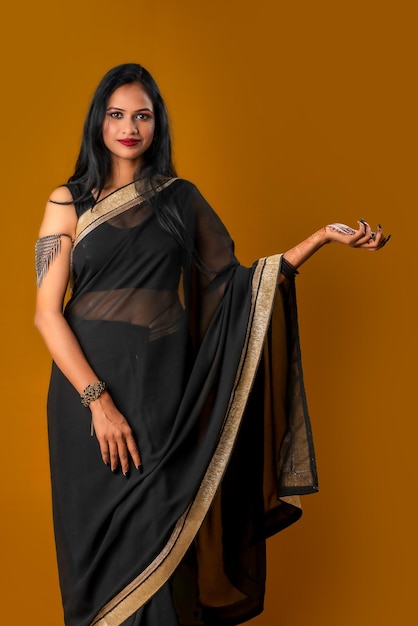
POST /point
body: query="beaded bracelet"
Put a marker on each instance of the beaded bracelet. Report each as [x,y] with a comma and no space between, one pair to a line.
[92,392]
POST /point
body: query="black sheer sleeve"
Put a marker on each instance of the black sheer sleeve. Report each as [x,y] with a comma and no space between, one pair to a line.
[287,269]
[213,258]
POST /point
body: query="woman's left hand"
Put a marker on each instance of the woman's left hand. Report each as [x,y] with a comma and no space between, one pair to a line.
[363,237]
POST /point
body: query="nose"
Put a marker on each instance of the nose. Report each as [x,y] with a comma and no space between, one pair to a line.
[131,127]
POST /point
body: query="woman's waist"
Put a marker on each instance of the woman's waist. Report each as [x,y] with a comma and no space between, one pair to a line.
[158,311]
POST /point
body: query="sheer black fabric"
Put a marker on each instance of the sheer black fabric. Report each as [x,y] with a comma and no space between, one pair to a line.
[165,329]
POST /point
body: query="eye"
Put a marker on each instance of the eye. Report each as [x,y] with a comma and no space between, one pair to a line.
[143,116]
[116,115]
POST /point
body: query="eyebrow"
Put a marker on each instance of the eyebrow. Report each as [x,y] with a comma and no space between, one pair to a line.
[137,110]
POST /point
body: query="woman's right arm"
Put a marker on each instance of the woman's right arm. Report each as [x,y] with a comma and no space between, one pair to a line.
[112,430]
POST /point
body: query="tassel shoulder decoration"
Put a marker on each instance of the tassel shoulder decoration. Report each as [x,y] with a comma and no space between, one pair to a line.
[46,250]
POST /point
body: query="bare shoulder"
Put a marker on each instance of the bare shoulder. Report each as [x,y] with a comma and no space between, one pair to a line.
[61,194]
[60,216]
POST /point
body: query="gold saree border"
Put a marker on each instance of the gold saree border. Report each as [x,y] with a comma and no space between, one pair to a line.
[143,587]
[112,205]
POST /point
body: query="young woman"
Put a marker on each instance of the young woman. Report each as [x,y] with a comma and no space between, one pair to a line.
[184,365]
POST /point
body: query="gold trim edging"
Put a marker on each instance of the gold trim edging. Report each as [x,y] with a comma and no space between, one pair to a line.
[140,590]
[125,198]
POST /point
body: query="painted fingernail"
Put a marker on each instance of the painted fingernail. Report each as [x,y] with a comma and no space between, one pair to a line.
[379,226]
[126,474]
[140,468]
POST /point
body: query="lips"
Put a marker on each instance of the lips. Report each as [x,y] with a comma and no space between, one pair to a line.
[129,142]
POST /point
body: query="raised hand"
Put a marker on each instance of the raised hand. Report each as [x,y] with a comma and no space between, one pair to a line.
[363,237]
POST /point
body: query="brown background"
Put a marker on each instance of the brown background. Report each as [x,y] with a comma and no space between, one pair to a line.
[287,115]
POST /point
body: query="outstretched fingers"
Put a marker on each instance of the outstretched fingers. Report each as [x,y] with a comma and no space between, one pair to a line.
[118,450]
[380,239]
[371,240]
[104,451]
[114,455]
[118,447]
[363,237]
[123,448]
[133,451]
[123,456]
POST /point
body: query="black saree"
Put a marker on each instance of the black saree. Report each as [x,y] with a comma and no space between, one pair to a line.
[202,357]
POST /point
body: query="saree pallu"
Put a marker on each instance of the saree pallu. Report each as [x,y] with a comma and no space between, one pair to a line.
[202,357]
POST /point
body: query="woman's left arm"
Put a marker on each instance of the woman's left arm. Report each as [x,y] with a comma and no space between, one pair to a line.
[363,237]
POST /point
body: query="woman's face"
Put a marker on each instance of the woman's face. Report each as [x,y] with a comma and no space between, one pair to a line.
[128,126]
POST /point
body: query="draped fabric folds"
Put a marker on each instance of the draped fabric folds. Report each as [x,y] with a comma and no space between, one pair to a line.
[202,357]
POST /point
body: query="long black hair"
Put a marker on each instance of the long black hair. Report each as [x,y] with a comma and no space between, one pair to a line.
[94,163]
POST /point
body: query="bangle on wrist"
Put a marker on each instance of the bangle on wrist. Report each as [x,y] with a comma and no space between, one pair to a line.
[92,392]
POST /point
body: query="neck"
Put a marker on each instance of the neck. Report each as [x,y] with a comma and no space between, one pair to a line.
[121,174]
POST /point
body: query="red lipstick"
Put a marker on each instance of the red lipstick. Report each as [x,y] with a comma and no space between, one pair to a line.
[129,142]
